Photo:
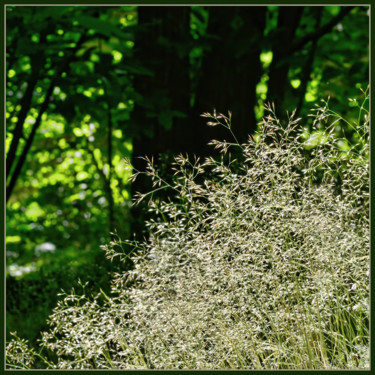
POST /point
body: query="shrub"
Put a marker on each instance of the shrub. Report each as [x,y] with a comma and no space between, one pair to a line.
[259,263]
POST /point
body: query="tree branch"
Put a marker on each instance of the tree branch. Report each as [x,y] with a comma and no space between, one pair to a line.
[18,130]
[22,158]
[109,189]
[307,69]
[43,108]
[315,35]
[37,62]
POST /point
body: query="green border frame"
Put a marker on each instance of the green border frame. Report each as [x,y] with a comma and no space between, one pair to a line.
[178,3]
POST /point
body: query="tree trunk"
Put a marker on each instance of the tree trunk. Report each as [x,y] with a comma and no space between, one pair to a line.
[287,24]
[161,47]
[231,70]
[308,68]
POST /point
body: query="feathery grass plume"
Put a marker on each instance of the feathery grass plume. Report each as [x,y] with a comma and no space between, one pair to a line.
[262,265]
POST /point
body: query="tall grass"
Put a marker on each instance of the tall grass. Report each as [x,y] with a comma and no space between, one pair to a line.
[256,263]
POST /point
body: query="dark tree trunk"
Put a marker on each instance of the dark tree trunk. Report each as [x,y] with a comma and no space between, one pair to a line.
[308,68]
[230,72]
[161,47]
[288,20]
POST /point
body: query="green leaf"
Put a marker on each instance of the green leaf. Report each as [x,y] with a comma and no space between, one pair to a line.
[103,27]
[165,119]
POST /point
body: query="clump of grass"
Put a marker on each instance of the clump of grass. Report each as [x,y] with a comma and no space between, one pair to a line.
[257,264]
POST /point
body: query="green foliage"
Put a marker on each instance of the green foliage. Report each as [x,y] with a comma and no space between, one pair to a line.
[62,191]
[334,72]
[262,264]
